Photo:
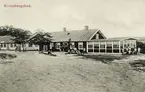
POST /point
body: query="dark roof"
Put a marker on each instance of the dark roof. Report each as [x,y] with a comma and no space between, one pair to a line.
[75,35]
[6,39]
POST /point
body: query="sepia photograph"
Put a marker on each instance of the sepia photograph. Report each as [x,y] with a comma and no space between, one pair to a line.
[72,46]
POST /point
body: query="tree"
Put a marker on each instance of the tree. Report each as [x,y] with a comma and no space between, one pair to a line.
[19,35]
[41,38]
[142,46]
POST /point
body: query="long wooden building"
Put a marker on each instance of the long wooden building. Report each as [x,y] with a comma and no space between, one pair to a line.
[90,40]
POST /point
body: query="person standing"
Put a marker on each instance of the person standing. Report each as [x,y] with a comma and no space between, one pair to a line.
[139,50]
[135,51]
[129,50]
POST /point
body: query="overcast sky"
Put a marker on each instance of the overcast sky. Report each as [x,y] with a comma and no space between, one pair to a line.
[113,17]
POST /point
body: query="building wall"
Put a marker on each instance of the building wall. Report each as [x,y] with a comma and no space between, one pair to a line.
[78,45]
[31,47]
[7,46]
[12,46]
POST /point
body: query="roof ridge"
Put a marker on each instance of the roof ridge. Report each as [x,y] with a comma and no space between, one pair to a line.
[74,30]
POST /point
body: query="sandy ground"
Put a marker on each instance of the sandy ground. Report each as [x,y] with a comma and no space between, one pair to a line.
[33,72]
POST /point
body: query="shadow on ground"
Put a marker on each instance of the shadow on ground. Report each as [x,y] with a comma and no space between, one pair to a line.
[138,65]
[105,58]
[5,58]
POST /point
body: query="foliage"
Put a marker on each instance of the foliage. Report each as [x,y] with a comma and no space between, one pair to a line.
[41,37]
[142,46]
[19,35]
[4,30]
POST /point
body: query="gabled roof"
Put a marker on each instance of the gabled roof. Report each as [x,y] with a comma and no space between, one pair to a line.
[6,39]
[75,35]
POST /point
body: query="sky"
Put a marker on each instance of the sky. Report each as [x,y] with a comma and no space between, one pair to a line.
[115,18]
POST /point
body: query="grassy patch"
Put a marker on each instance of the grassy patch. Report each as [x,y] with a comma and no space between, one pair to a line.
[138,65]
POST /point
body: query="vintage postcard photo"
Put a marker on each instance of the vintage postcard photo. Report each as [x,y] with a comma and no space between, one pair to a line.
[72,46]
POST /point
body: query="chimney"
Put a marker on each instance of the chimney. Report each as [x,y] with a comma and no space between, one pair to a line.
[64,29]
[86,27]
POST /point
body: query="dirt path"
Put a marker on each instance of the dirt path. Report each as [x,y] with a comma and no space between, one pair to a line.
[33,72]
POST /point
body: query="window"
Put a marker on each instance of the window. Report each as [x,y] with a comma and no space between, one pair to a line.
[102,45]
[96,46]
[109,48]
[116,51]
[30,44]
[97,36]
[4,45]
[116,46]
[102,50]
[121,46]
[80,45]
[90,46]
[11,45]
[109,45]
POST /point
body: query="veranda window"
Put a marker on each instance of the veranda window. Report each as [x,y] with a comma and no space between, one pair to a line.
[116,44]
[96,46]
[90,47]
[102,45]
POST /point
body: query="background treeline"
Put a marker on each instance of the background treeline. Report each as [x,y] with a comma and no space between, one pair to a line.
[19,35]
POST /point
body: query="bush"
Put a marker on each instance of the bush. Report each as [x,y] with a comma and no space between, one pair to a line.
[7,56]
[142,46]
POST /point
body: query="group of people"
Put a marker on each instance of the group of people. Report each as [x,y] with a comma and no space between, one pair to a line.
[130,50]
